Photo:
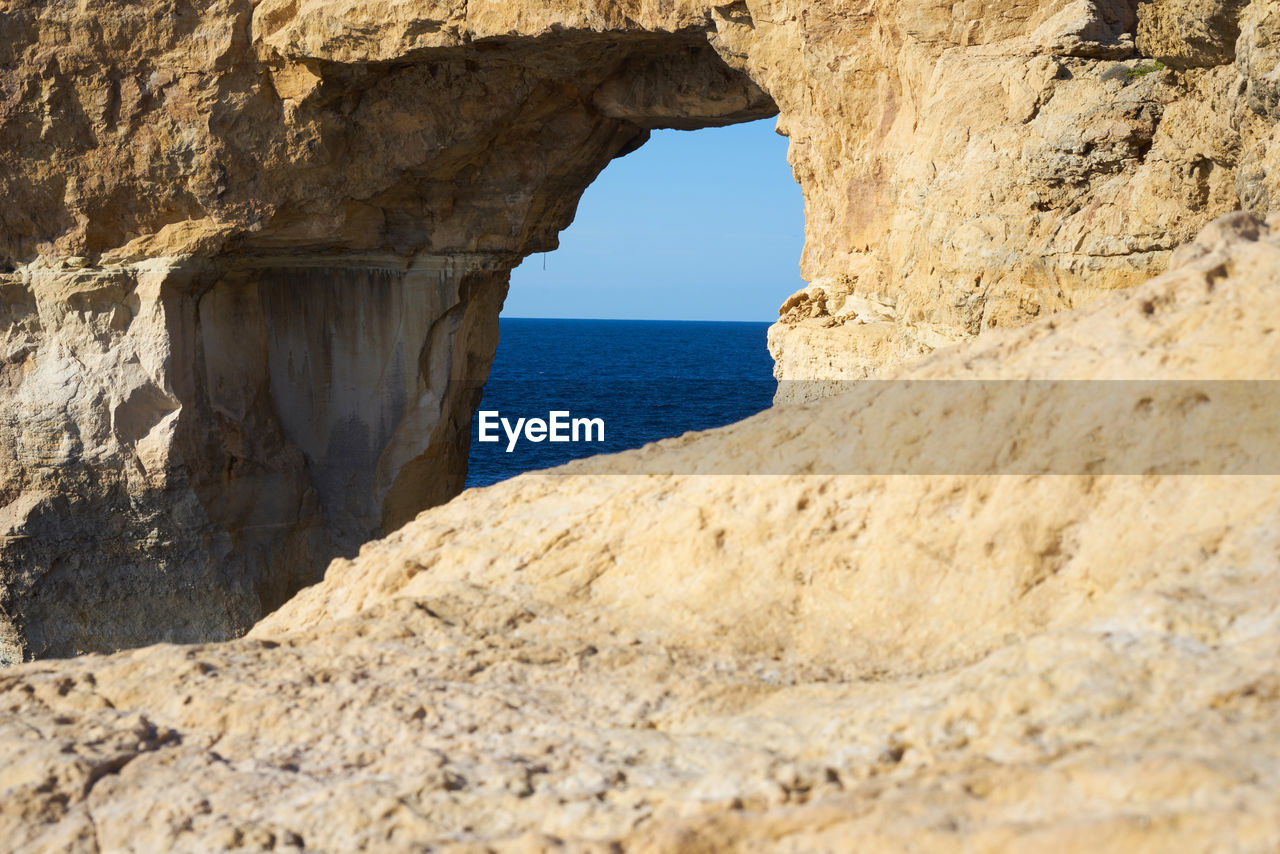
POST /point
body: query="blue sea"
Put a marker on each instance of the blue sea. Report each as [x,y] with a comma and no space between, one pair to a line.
[646,379]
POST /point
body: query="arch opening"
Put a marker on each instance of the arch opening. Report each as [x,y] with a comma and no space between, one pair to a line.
[652,314]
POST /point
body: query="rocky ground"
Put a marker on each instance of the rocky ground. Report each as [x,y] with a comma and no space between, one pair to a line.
[592,660]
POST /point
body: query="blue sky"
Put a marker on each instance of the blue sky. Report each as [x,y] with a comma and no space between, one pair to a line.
[696,225]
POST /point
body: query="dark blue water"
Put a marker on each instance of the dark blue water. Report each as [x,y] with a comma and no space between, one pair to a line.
[646,379]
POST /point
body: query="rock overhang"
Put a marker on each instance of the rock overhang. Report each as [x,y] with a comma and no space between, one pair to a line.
[350,128]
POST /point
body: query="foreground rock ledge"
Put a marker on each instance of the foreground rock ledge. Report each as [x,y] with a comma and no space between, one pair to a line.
[696,663]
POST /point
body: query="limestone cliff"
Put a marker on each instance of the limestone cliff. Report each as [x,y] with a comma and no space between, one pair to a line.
[252,254]
[585,660]
[993,162]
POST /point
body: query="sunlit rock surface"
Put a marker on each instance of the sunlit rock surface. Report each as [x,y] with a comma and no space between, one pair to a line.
[591,660]
[996,162]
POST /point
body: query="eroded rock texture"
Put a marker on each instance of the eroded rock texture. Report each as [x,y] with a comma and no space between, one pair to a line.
[993,162]
[595,661]
[253,254]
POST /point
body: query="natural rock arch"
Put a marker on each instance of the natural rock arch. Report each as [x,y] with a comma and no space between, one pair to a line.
[223,219]
[282,273]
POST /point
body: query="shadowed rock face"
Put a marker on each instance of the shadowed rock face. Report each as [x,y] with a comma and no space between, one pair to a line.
[189,445]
